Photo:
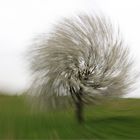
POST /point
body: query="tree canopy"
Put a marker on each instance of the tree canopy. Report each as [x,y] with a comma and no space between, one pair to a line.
[83,56]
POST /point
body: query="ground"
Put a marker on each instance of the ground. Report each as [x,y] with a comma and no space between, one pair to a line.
[113,120]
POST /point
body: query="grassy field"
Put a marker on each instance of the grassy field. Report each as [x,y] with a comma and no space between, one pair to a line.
[119,119]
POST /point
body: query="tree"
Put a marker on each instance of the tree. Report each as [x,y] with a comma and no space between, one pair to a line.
[84,58]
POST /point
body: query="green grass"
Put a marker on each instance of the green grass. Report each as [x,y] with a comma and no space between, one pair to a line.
[118,119]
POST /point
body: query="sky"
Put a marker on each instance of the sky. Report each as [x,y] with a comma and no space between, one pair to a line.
[23,20]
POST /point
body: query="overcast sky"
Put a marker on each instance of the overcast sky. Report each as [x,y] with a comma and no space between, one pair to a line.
[22,20]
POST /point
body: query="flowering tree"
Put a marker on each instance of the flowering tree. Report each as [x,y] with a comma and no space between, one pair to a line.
[83,59]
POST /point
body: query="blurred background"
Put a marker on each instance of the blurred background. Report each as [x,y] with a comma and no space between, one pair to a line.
[23,20]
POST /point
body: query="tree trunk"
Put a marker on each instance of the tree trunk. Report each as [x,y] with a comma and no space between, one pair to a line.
[79,112]
[79,107]
[77,99]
